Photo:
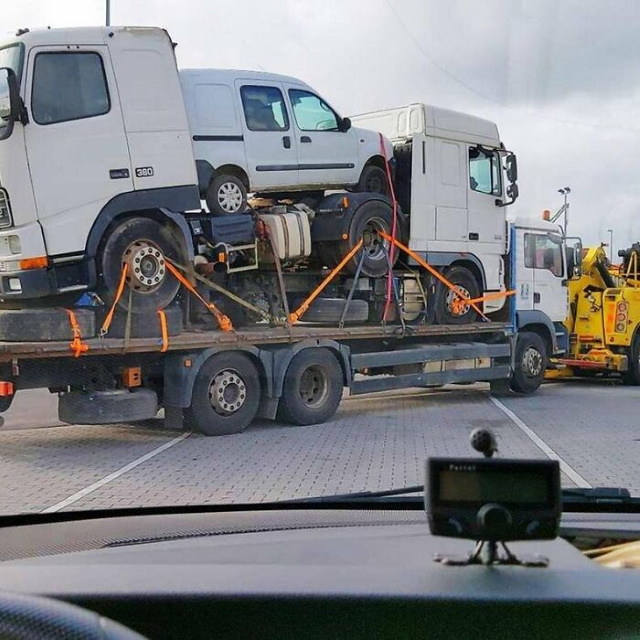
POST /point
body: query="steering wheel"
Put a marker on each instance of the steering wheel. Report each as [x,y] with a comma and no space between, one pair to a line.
[25,617]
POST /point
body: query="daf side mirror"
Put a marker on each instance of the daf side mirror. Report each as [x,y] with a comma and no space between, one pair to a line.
[511,168]
[345,125]
[576,260]
[9,101]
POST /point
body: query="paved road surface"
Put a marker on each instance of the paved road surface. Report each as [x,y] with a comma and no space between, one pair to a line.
[374,442]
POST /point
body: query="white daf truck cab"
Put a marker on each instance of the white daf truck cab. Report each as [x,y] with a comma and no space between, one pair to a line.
[273,134]
[451,182]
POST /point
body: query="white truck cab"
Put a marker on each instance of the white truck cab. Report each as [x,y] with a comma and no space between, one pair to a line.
[454,179]
[99,128]
[266,133]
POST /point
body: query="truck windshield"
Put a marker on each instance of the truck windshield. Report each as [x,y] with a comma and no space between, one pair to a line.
[11,57]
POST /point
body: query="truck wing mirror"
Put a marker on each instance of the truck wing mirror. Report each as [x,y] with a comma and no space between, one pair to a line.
[512,168]
[10,105]
[345,124]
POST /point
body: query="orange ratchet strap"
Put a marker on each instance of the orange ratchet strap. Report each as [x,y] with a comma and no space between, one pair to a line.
[223,321]
[464,300]
[301,310]
[164,330]
[77,346]
[107,321]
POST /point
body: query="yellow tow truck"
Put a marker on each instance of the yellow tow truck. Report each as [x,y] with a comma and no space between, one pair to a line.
[603,318]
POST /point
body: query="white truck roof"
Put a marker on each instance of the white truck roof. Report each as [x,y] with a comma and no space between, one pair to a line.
[535,224]
[77,35]
[403,122]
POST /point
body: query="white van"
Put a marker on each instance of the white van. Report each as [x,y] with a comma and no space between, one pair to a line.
[267,133]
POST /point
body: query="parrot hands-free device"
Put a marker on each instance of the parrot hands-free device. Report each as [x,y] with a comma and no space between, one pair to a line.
[493,502]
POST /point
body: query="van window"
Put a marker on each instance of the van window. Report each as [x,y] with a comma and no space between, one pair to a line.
[264,108]
[311,112]
[541,253]
[484,171]
[68,86]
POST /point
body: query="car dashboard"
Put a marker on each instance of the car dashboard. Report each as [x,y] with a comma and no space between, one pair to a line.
[318,573]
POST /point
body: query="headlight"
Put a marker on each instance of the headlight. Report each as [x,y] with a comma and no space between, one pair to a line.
[5,209]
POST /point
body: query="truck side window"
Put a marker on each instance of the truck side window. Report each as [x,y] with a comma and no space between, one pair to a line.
[541,253]
[264,108]
[312,113]
[484,171]
[68,86]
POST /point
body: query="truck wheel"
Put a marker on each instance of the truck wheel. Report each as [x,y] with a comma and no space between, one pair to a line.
[373,180]
[312,388]
[447,304]
[530,362]
[107,407]
[226,395]
[632,375]
[370,218]
[143,245]
[226,195]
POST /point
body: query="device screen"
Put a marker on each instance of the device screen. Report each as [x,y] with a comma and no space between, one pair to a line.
[493,486]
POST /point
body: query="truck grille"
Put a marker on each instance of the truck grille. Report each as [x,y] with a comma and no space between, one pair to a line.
[5,209]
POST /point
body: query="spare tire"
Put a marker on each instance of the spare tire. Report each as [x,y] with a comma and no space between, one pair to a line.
[107,407]
[142,326]
[329,310]
[44,325]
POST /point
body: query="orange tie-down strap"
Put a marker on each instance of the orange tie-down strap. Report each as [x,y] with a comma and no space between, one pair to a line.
[77,346]
[119,291]
[223,321]
[463,299]
[164,330]
[301,310]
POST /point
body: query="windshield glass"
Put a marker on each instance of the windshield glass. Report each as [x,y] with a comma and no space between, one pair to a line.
[11,57]
[264,322]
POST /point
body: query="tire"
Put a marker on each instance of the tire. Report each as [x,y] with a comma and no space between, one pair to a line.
[143,326]
[631,376]
[143,244]
[444,298]
[373,179]
[226,195]
[371,216]
[6,402]
[329,310]
[312,388]
[107,407]
[212,411]
[530,363]
[43,325]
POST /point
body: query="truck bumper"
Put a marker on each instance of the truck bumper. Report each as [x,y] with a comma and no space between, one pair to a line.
[31,283]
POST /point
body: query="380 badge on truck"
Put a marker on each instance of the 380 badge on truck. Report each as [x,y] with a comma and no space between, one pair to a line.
[144,172]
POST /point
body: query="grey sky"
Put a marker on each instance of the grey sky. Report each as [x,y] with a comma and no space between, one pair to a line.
[560,77]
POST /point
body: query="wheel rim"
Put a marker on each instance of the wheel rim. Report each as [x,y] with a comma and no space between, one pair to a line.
[227,392]
[457,304]
[532,362]
[146,265]
[373,244]
[314,386]
[375,184]
[229,197]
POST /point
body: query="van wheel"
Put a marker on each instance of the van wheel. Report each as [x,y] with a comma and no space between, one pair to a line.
[226,195]
[312,388]
[530,362]
[226,395]
[373,180]
[144,245]
[449,307]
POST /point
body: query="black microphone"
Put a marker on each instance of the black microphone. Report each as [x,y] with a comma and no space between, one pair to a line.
[484,441]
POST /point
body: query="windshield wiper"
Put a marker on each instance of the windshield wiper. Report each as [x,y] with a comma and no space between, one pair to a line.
[578,496]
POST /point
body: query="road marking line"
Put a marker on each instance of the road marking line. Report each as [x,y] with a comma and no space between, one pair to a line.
[541,444]
[78,495]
